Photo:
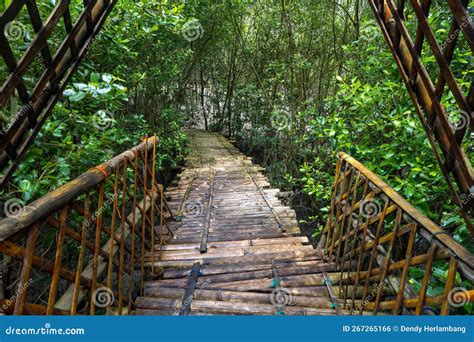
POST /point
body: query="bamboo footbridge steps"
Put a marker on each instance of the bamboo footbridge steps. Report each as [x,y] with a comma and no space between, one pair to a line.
[236,248]
[220,241]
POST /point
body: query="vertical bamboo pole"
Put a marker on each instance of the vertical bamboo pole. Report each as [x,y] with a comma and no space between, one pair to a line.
[406,267]
[343,188]
[453,265]
[354,244]
[80,262]
[132,259]
[142,268]
[161,221]
[359,260]
[110,266]
[425,281]
[342,229]
[57,261]
[388,260]
[152,207]
[26,270]
[122,236]
[348,234]
[329,224]
[374,251]
[98,232]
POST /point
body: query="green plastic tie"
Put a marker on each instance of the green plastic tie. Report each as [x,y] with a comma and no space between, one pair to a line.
[275,283]
[280,313]
[333,305]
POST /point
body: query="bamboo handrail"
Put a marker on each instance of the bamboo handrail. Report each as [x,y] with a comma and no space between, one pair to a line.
[380,243]
[105,224]
[436,232]
[56,199]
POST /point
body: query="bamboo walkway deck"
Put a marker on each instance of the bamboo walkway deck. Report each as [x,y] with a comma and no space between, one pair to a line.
[237,249]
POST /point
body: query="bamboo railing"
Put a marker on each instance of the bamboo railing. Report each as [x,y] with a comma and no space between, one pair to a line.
[74,25]
[431,86]
[377,238]
[80,249]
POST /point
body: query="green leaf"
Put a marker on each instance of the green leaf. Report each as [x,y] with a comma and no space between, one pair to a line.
[107,78]
[77,97]
[95,77]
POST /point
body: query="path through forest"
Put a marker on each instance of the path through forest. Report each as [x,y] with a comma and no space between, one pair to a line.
[237,248]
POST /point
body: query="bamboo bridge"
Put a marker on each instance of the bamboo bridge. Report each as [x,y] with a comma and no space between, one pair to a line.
[221,240]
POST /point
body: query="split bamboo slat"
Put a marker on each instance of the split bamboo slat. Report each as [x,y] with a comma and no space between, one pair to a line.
[376,238]
[446,129]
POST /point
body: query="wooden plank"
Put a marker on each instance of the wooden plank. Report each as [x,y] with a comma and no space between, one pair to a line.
[190,288]
[332,294]
[235,243]
[207,223]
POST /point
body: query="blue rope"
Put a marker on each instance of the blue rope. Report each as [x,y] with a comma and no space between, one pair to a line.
[327,281]
[275,283]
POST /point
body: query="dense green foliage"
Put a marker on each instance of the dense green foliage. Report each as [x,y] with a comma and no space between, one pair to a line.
[295,82]
[115,99]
